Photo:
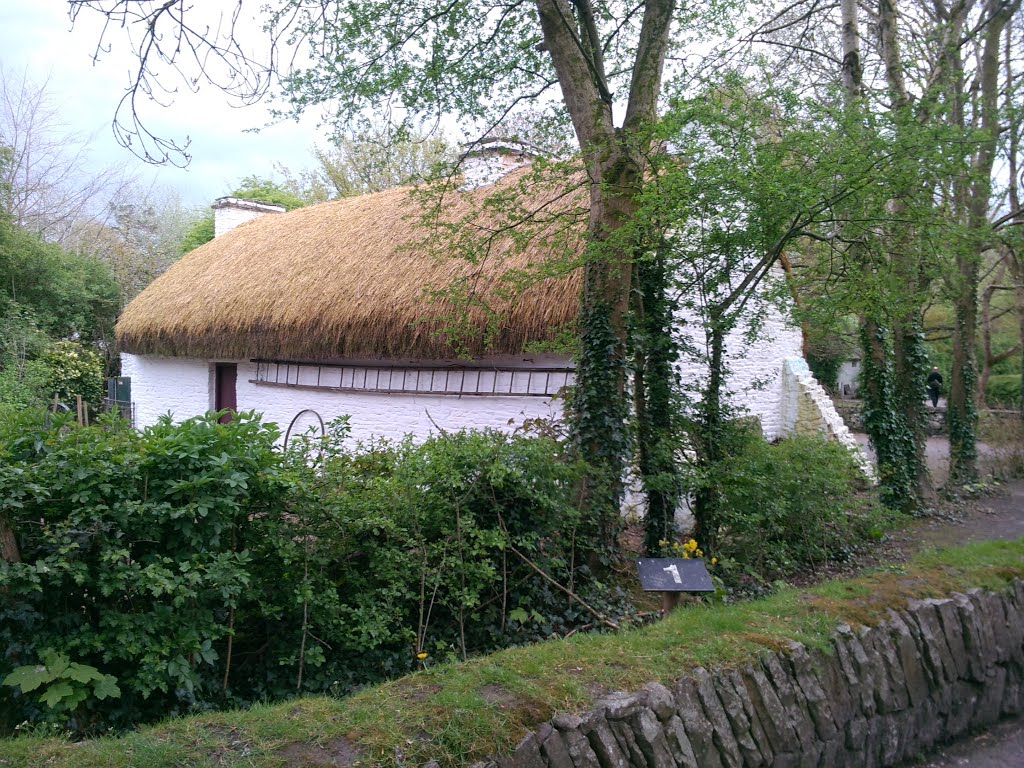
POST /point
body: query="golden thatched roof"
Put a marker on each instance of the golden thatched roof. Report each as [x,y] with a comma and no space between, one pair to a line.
[346,279]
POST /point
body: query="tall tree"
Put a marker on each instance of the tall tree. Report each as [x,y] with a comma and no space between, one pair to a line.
[977,188]
[476,59]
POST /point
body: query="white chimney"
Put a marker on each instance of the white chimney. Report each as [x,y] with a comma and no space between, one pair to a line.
[488,160]
[229,212]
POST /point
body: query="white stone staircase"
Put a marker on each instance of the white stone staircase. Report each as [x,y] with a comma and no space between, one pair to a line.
[807,409]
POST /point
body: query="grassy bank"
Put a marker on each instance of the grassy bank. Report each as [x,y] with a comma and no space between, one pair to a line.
[462,712]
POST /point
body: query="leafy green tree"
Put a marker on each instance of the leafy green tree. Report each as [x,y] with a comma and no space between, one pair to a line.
[476,60]
[198,234]
[250,188]
[373,158]
[755,180]
[67,294]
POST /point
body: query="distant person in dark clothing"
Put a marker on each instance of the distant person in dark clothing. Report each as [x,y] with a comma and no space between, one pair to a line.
[934,386]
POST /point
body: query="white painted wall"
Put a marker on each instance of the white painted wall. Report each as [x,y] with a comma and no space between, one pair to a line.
[755,380]
[229,212]
[807,409]
[184,387]
[160,385]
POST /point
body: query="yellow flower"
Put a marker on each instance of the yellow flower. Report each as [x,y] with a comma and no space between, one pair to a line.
[699,553]
[422,656]
[686,555]
[714,561]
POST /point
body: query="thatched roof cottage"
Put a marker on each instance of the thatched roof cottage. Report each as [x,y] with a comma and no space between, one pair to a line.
[323,309]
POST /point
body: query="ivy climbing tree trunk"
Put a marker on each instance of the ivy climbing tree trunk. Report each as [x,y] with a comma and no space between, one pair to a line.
[961,410]
[887,354]
[654,379]
[1013,258]
[908,468]
[615,159]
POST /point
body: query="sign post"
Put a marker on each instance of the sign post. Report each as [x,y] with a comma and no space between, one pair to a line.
[672,576]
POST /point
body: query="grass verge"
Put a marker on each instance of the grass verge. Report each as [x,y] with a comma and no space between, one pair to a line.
[458,713]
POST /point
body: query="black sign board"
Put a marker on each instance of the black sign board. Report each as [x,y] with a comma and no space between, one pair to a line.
[670,574]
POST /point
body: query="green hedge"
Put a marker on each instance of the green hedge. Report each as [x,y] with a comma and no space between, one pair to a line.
[196,566]
[1003,391]
[792,505]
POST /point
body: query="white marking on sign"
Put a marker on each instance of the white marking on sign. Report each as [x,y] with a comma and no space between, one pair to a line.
[675,573]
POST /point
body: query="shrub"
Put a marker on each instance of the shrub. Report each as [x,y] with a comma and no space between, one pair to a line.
[1003,391]
[129,556]
[790,505]
[74,370]
[430,549]
[200,566]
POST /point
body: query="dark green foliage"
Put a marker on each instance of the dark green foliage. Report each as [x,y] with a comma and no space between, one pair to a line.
[65,294]
[656,384]
[789,505]
[198,234]
[250,188]
[885,423]
[48,294]
[202,567]
[1003,391]
[600,407]
[825,368]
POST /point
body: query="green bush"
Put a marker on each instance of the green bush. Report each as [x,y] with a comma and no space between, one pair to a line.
[201,567]
[790,505]
[1003,391]
[73,369]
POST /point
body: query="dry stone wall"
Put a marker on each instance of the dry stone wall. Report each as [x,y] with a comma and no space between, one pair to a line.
[877,697]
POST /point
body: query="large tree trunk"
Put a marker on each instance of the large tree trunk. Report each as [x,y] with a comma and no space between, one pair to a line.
[961,411]
[1013,258]
[894,428]
[991,359]
[909,358]
[8,542]
[615,162]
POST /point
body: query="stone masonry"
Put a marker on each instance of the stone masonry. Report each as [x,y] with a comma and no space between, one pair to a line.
[808,410]
[876,697]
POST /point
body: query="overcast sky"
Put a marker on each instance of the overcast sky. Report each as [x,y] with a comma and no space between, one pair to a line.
[36,37]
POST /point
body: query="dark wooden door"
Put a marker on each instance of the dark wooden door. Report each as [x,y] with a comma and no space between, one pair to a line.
[226,375]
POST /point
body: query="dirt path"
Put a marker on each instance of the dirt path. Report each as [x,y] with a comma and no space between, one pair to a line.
[992,517]
[1002,746]
[1000,516]
[936,453]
